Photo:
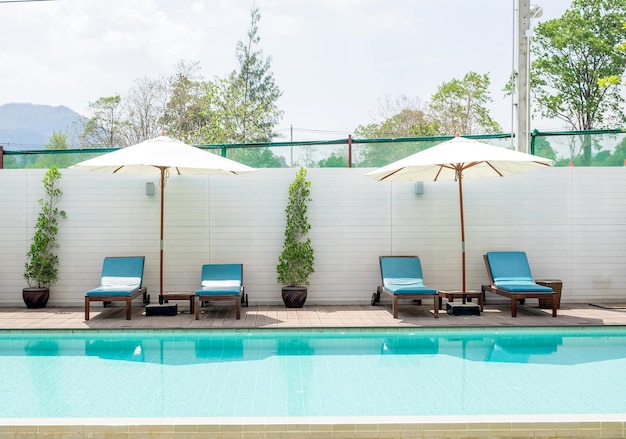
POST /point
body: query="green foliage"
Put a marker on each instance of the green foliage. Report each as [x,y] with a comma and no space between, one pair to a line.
[381,154]
[295,263]
[543,149]
[407,122]
[257,157]
[459,106]
[41,267]
[572,55]
[334,161]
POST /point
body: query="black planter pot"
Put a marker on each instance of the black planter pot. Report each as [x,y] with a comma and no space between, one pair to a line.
[294,297]
[35,297]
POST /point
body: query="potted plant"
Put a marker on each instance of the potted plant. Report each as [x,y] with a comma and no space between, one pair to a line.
[296,261]
[41,268]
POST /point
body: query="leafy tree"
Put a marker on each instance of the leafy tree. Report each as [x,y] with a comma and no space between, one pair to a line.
[459,106]
[142,108]
[103,129]
[403,117]
[189,112]
[572,54]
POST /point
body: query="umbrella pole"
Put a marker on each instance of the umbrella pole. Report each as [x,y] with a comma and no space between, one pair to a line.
[460,178]
[161,238]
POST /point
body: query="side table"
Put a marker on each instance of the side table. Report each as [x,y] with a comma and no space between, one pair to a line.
[458,294]
[178,295]
[557,287]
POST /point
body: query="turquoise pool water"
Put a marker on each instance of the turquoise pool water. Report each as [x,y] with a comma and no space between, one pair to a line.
[261,373]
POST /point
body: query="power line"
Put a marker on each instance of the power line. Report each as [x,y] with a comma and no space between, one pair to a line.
[25,1]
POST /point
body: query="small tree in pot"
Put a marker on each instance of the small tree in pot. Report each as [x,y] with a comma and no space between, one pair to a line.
[296,261]
[41,268]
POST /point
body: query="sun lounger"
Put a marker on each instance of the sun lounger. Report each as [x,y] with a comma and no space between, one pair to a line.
[402,279]
[220,282]
[120,282]
[510,276]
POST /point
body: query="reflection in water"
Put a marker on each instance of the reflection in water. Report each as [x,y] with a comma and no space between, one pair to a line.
[179,348]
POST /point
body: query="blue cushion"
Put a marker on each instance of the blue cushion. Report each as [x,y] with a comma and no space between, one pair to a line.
[220,280]
[520,287]
[403,275]
[121,276]
[510,271]
[509,266]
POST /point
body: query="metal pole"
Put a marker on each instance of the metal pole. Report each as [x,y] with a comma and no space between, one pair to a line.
[522,85]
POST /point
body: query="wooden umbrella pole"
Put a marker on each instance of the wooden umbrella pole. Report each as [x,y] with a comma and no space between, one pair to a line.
[161,237]
[460,179]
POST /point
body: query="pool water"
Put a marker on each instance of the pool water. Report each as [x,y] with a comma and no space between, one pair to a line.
[262,373]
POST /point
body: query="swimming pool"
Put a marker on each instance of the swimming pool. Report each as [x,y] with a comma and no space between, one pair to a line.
[312,373]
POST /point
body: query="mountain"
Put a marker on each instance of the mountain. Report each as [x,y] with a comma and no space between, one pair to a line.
[29,126]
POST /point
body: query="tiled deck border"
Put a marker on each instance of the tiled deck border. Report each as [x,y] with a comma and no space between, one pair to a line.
[479,427]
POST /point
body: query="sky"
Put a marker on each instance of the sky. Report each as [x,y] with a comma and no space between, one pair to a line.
[336,61]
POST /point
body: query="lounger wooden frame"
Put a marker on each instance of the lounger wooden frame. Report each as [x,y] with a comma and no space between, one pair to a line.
[521,296]
[143,291]
[396,297]
[213,297]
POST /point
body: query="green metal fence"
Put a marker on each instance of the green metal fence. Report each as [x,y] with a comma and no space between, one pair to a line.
[566,148]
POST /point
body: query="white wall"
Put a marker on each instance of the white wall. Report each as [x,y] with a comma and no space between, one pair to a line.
[570,221]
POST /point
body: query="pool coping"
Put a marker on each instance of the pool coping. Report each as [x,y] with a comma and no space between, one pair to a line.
[479,426]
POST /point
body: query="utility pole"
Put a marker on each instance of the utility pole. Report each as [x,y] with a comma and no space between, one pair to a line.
[525,13]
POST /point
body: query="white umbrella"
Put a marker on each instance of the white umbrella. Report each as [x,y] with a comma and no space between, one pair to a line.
[163,155]
[457,159]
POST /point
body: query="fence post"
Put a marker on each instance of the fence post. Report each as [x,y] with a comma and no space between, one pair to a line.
[349,150]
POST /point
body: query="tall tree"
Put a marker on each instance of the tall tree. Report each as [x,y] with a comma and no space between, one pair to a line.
[143,107]
[252,93]
[572,54]
[248,100]
[103,128]
[459,105]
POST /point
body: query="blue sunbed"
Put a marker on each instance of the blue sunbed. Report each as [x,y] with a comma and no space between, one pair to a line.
[121,280]
[402,279]
[220,282]
[510,276]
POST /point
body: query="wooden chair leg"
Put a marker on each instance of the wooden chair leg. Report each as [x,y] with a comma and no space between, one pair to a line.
[513,306]
[86,308]
[128,307]
[437,298]
[395,307]
[196,307]
[554,305]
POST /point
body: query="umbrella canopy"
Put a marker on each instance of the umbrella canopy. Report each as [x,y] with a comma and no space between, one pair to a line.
[163,156]
[458,159]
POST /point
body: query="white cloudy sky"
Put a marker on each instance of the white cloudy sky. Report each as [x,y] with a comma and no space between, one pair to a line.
[334,60]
